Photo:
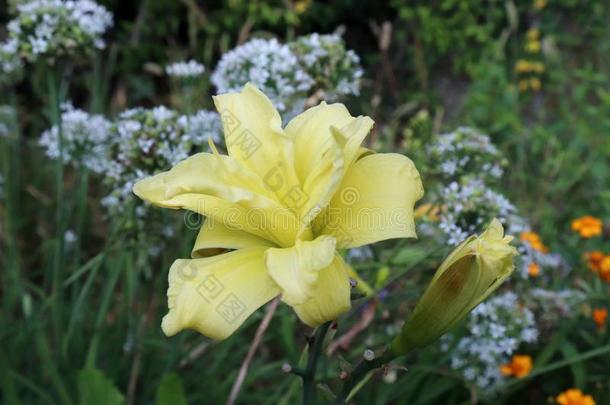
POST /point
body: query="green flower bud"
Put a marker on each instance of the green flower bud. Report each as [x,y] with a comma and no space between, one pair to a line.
[467,276]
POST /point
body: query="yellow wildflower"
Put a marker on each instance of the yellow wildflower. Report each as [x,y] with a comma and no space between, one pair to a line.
[429,211]
[475,269]
[574,396]
[519,366]
[533,34]
[522,66]
[300,6]
[281,203]
[537,67]
[535,84]
[523,85]
[539,4]
[533,46]
[587,226]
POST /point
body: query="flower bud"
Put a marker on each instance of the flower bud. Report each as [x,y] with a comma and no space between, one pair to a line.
[467,276]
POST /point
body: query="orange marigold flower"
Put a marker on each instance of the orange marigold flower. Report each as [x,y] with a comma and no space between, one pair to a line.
[587,226]
[574,396]
[594,260]
[533,270]
[519,366]
[599,317]
[533,239]
[604,269]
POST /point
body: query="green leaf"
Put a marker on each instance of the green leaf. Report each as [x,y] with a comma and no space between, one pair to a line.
[170,391]
[578,369]
[95,389]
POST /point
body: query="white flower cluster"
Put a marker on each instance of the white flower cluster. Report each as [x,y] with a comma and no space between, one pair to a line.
[146,141]
[8,121]
[139,143]
[335,69]
[11,66]
[290,73]
[270,66]
[469,205]
[84,136]
[496,329]
[184,70]
[51,28]
[465,152]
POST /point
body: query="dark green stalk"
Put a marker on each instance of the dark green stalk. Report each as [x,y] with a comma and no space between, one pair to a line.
[81,211]
[360,373]
[9,158]
[309,374]
[54,87]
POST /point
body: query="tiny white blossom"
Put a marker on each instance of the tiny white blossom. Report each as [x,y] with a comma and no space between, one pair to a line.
[52,28]
[185,69]
[270,66]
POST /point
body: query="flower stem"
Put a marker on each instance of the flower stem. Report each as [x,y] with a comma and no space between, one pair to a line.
[55,98]
[309,374]
[359,376]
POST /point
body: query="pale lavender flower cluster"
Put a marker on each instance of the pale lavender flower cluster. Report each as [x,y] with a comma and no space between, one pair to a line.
[53,28]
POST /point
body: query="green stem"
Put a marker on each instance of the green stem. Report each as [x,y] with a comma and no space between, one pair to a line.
[360,375]
[54,84]
[9,159]
[309,374]
[81,211]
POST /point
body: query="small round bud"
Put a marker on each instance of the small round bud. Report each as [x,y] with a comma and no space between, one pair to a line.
[353,283]
[286,368]
[368,355]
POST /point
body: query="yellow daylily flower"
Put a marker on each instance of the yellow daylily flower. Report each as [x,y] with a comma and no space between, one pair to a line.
[278,208]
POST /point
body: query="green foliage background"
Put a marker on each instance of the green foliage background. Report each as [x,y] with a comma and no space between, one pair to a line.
[100,342]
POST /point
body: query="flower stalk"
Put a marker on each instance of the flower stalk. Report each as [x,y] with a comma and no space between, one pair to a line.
[309,374]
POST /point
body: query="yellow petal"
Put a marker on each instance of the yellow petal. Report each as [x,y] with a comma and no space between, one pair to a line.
[214,237]
[351,136]
[254,136]
[331,295]
[322,182]
[295,269]
[221,188]
[311,132]
[214,296]
[374,202]
[327,140]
